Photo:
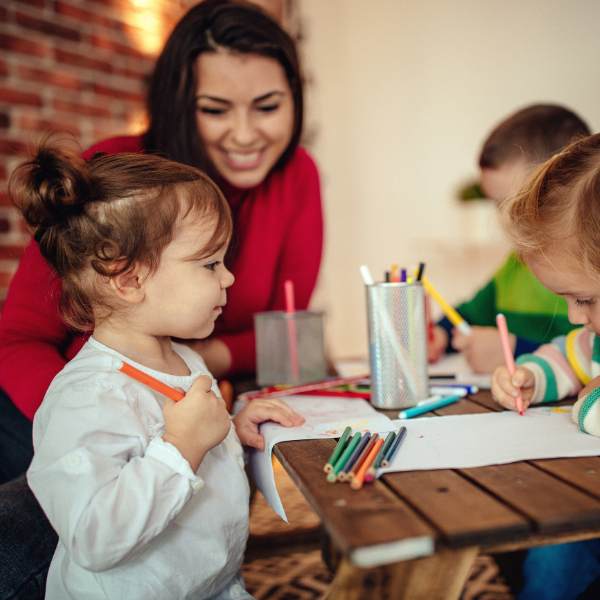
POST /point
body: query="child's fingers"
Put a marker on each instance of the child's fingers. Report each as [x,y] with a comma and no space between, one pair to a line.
[255,440]
[202,384]
[273,409]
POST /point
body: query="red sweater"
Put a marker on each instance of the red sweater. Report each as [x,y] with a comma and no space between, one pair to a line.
[278,235]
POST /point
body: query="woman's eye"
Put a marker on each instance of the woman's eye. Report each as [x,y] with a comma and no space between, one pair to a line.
[213,265]
[207,110]
[585,302]
[268,107]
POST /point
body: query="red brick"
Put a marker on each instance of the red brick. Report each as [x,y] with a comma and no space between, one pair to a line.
[11,252]
[33,124]
[49,78]
[78,60]
[81,109]
[3,68]
[47,27]
[4,121]
[131,74]
[119,94]
[115,47]
[12,96]
[17,44]
[68,10]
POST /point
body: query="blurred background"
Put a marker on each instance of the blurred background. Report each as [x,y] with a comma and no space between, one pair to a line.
[400,96]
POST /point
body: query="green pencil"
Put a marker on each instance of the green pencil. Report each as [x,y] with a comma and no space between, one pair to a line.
[337,451]
[341,461]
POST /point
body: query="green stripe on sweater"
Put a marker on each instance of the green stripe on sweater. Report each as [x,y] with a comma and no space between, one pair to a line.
[551,386]
[586,406]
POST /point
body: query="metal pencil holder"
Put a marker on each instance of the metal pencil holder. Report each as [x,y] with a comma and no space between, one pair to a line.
[397,344]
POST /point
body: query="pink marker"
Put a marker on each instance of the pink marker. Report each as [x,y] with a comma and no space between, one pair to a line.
[508,354]
[290,308]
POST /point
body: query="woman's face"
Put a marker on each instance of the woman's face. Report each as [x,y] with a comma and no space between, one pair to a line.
[245,114]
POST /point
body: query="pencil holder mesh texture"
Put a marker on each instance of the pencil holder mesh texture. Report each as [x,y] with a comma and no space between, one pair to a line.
[397,344]
[289,348]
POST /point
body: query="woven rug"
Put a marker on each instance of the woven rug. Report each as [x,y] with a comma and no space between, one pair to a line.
[283,562]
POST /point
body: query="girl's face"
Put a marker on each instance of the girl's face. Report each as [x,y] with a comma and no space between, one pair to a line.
[581,293]
[185,295]
[245,114]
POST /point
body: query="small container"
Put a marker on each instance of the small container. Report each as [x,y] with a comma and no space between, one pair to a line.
[289,348]
[397,344]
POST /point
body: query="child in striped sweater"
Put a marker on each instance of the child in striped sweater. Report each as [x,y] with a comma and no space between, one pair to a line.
[554,223]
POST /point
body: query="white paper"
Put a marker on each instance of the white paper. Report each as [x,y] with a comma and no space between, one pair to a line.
[456,364]
[326,417]
[464,441]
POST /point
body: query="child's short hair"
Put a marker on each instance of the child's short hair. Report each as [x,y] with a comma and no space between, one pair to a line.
[108,213]
[556,215]
[534,133]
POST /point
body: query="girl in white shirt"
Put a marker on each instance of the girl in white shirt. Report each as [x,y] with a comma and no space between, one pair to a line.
[149,497]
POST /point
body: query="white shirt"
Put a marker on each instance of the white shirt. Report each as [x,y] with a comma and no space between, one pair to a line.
[134,521]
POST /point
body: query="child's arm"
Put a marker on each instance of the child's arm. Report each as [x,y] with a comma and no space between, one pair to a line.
[258,411]
[586,411]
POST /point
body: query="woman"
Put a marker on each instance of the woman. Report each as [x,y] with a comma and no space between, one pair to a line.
[225,96]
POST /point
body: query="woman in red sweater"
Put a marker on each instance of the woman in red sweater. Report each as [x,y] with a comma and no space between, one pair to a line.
[225,96]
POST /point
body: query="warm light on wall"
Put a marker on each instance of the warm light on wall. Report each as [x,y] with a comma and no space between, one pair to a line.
[149,31]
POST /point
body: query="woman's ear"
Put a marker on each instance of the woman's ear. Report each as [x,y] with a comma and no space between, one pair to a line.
[129,285]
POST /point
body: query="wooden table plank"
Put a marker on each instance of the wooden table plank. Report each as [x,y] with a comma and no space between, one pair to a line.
[371,525]
[582,472]
[464,514]
[553,505]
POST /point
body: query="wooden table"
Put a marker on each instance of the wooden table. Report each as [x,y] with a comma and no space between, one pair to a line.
[415,535]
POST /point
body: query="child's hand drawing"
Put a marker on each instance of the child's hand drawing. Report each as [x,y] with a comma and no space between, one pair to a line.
[505,388]
[258,411]
[436,347]
[197,423]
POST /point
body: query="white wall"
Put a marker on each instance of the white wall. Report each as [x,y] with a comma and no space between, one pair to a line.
[401,96]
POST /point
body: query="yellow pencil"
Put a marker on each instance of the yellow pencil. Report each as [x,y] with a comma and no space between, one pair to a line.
[452,315]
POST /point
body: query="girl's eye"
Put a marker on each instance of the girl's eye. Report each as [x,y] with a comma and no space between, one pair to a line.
[268,107]
[207,110]
[585,302]
[213,265]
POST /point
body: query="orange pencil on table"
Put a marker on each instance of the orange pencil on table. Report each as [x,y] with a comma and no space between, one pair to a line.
[359,476]
[150,381]
[508,353]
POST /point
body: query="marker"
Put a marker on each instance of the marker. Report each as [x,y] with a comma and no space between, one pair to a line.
[341,461]
[370,474]
[387,461]
[403,275]
[430,400]
[419,410]
[508,354]
[450,390]
[420,271]
[359,477]
[337,450]
[290,309]
[395,274]
[452,315]
[342,475]
[150,381]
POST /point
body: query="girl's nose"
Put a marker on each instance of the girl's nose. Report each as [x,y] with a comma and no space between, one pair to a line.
[578,316]
[227,279]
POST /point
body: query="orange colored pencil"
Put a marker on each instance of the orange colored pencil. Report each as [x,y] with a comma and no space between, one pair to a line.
[150,381]
[359,476]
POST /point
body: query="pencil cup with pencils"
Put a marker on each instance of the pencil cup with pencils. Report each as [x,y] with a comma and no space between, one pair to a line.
[289,347]
[397,344]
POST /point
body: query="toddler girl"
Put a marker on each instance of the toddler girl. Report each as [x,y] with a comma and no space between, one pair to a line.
[149,497]
[554,222]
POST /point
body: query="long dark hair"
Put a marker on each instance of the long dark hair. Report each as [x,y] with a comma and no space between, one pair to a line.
[232,24]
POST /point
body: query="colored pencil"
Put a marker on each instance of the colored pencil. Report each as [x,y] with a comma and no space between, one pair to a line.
[341,461]
[508,354]
[428,406]
[359,476]
[352,458]
[337,450]
[387,461]
[370,474]
[393,450]
[309,387]
[363,395]
[452,315]
[150,381]
[363,455]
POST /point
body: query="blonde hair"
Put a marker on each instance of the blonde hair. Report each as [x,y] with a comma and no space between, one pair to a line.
[99,217]
[556,214]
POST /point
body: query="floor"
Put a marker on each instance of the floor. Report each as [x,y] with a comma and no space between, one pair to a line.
[283,562]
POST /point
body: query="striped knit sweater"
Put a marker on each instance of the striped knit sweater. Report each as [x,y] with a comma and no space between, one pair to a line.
[562,368]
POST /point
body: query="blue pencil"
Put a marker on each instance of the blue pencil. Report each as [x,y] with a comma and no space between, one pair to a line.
[387,461]
[352,458]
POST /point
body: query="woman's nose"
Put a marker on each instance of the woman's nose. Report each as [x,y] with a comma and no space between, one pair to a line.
[243,132]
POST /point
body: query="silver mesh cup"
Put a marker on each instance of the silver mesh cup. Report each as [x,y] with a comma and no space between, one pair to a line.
[277,333]
[397,344]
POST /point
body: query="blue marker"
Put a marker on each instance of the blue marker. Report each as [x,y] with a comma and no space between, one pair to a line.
[453,389]
[419,410]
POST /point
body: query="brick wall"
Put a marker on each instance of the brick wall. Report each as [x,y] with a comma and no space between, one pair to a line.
[76,65]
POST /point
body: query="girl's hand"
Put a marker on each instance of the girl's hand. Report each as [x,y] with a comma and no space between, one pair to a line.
[437,347]
[197,422]
[482,349]
[505,388]
[258,411]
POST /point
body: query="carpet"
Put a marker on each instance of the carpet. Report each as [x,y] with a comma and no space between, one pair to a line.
[283,562]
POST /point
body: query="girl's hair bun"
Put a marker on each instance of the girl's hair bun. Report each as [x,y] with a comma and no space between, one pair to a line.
[53,185]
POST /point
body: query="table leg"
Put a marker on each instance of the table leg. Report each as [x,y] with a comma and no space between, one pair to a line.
[438,577]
